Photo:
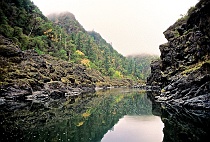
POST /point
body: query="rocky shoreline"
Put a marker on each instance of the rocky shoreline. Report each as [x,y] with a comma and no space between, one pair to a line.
[183,72]
[27,76]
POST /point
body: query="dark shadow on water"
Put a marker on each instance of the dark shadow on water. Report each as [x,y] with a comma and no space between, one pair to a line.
[182,124]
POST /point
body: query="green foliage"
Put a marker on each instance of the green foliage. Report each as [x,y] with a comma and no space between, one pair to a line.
[93,66]
[104,56]
[176,33]
[39,51]
[36,42]
[6,30]
[117,74]
[139,66]
[111,72]
[64,38]
[24,41]
[17,31]
[62,54]
[3,17]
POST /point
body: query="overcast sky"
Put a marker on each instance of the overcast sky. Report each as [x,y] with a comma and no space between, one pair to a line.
[132,26]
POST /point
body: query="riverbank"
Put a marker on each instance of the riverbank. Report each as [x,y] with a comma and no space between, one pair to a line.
[26,75]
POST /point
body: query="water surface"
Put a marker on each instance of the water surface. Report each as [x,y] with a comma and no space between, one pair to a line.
[117,115]
[139,128]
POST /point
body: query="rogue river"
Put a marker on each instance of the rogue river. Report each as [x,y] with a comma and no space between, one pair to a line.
[116,115]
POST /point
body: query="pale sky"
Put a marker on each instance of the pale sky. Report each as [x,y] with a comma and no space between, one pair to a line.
[132,26]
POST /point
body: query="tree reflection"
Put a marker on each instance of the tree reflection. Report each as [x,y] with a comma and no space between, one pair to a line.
[79,119]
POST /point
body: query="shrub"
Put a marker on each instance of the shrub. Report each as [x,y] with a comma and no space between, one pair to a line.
[6,30]
[39,51]
[62,54]
[117,74]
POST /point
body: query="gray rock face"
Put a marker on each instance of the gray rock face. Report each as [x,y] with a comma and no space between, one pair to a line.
[183,71]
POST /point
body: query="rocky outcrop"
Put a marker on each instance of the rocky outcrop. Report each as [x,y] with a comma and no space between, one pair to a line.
[28,76]
[25,75]
[155,78]
[183,72]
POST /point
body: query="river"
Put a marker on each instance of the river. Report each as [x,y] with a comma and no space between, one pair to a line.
[116,115]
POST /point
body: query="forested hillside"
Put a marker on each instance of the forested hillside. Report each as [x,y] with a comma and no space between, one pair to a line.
[139,65]
[97,53]
[62,36]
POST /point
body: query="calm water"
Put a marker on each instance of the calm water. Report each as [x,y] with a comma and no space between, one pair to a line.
[108,116]
[139,128]
[117,115]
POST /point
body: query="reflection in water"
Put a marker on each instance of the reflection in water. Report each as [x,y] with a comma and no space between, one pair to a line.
[183,124]
[83,119]
[145,128]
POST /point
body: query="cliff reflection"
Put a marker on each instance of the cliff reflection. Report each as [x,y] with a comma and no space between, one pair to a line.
[182,124]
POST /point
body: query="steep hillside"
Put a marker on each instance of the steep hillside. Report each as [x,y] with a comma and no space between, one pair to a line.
[63,37]
[113,62]
[183,72]
[42,59]
[101,54]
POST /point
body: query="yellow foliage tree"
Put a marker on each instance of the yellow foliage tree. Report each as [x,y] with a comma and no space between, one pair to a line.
[117,74]
[80,53]
[85,62]
[48,31]
[52,35]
